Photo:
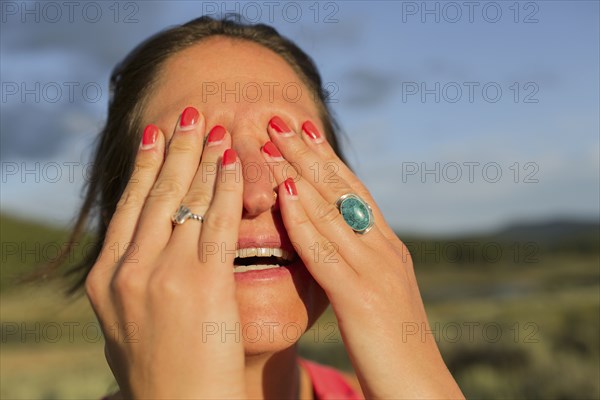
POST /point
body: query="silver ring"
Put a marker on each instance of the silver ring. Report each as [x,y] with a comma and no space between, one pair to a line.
[183,214]
[356,212]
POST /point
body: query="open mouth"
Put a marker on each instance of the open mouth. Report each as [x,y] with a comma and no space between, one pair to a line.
[260,258]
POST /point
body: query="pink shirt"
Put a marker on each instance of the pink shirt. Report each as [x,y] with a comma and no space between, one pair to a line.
[328,383]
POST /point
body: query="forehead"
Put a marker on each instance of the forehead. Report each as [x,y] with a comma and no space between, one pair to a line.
[229,80]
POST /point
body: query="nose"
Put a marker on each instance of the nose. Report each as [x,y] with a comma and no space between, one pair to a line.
[259,183]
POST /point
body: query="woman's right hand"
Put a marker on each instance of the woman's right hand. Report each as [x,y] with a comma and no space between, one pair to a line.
[153,299]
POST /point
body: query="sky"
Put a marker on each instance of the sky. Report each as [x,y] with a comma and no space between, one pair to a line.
[459,117]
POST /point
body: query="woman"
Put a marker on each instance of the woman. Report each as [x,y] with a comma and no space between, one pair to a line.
[218,173]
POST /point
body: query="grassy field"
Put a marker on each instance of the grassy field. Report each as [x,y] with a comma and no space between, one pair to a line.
[524,328]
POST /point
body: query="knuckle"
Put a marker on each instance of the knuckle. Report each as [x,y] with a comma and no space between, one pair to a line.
[183,145]
[302,151]
[303,156]
[327,213]
[146,162]
[166,187]
[300,220]
[197,198]
[131,199]
[126,282]
[340,186]
[92,287]
[219,222]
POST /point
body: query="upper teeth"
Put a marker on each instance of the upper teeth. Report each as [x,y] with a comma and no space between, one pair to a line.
[264,252]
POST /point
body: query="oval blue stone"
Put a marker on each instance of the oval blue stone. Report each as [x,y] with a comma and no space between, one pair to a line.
[355,213]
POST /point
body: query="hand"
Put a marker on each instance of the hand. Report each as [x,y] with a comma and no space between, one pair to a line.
[173,285]
[369,279]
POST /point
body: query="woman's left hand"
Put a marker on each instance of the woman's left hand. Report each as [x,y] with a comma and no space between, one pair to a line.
[369,279]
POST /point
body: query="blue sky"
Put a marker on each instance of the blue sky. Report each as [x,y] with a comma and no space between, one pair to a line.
[545,143]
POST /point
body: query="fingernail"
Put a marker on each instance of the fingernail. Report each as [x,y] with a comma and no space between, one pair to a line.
[272,151]
[312,132]
[189,118]
[216,135]
[290,187]
[280,127]
[228,159]
[149,137]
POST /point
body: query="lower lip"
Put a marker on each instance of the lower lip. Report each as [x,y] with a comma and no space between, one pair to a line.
[270,274]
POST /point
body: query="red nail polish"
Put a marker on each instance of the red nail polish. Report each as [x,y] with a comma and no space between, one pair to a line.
[279,126]
[290,186]
[189,117]
[216,134]
[149,136]
[272,150]
[229,157]
[311,131]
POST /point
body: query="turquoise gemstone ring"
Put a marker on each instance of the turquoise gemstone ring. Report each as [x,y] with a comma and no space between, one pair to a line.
[356,212]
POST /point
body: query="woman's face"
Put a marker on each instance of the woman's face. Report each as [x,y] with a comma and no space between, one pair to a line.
[241,86]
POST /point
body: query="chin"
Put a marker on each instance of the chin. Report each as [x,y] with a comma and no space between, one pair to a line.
[277,307]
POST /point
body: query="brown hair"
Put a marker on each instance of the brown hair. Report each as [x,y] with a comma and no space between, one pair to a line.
[130,83]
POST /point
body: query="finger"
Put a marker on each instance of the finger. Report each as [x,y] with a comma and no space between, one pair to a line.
[200,194]
[324,215]
[314,139]
[321,258]
[220,229]
[320,203]
[180,165]
[125,218]
[323,176]
[123,222]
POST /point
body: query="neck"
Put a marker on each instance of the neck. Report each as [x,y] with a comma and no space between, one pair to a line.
[272,376]
[275,375]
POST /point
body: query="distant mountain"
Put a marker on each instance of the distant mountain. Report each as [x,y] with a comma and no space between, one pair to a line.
[551,231]
[531,239]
